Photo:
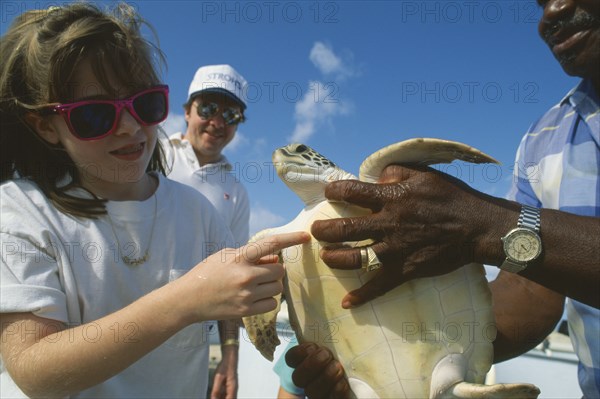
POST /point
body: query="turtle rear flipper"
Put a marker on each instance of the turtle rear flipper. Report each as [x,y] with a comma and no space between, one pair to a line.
[262,331]
[453,368]
[466,390]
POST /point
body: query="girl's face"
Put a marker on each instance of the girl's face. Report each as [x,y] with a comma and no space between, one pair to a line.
[113,167]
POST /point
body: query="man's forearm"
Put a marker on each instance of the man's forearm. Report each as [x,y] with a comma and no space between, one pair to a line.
[525,314]
[570,259]
[229,331]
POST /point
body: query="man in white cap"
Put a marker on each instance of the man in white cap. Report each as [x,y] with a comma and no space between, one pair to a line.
[214,108]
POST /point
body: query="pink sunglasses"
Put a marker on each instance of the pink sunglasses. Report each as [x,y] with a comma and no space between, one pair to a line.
[95,119]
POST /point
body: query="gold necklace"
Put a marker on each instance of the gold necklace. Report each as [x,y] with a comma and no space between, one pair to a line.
[135,261]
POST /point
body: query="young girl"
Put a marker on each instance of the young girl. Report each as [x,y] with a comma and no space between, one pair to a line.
[106,272]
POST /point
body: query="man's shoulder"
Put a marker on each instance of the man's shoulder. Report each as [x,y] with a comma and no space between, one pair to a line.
[554,121]
[175,137]
[566,109]
[175,140]
[551,133]
[552,118]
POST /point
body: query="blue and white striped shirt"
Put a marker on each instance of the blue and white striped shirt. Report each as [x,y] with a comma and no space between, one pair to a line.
[558,167]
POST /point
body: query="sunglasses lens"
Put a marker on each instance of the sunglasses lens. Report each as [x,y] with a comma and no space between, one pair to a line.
[232,116]
[208,110]
[151,107]
[92,120]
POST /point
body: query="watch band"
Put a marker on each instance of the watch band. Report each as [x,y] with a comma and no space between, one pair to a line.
[513,267]
[529,218]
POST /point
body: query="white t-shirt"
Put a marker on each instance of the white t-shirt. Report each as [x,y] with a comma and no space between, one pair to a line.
[217,181]
[69,269]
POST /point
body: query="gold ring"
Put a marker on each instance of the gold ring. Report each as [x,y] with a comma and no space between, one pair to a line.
[369,259]
[364,258]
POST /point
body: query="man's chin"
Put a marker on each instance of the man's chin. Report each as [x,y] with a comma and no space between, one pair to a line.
[573,66]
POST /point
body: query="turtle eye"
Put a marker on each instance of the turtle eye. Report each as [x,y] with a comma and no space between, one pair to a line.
[301,148]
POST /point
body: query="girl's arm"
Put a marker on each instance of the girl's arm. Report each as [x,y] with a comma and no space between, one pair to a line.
[46,359]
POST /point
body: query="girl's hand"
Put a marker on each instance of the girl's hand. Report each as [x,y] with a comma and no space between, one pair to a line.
[233,283]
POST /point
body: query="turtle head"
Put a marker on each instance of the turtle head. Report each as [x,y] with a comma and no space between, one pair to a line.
[306,172]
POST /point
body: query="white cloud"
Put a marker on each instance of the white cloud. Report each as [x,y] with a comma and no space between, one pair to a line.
[316,109]
[239,141]
[323,57]
[262,218]
[174,123]
[321,101]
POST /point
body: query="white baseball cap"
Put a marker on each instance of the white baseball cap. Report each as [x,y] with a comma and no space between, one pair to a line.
[218,79]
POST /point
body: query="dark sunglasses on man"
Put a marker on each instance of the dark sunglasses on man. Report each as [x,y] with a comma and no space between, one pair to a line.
[231,115]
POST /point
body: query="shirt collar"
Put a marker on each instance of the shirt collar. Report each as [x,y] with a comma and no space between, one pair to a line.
[176,138]
[583,98]
[222,163]
[584,101]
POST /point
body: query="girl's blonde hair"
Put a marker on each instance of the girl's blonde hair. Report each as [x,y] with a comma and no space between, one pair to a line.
[40,52]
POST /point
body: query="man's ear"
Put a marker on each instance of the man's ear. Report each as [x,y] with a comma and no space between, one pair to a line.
[186,112]
[43,127]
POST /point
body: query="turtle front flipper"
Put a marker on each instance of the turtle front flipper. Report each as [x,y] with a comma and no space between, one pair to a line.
[420,151]
[262,328]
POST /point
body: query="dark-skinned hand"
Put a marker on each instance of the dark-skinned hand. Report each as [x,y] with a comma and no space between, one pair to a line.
[317,372]
[424,223]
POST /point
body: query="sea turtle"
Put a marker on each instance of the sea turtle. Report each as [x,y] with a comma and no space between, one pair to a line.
[428,338]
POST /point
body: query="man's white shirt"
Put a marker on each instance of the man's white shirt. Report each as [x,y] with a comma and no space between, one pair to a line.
[216,181]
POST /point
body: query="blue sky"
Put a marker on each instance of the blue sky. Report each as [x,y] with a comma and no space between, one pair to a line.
[350,77]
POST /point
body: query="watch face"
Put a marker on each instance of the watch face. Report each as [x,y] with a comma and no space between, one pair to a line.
[522,245]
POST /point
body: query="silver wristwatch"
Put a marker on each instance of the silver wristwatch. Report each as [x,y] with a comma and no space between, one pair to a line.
[523,244]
